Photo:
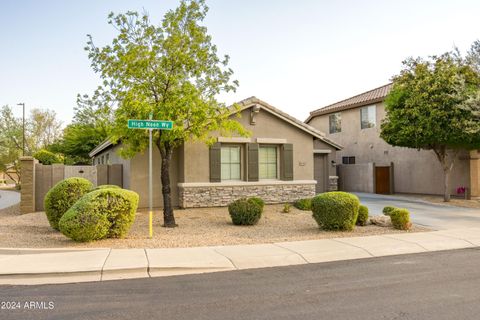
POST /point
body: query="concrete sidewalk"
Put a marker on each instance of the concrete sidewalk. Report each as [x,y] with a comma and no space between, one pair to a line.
[38,266]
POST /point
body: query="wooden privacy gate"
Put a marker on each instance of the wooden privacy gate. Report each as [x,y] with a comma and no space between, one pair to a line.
[38,179]
[382,180]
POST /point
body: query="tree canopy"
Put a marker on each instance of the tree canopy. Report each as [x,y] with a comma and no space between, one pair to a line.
[433,105]
[170,71]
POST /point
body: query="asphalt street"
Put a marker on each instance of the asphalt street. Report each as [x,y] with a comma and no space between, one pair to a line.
[440,285]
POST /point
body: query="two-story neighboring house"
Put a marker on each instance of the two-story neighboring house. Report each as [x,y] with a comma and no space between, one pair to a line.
[367,163]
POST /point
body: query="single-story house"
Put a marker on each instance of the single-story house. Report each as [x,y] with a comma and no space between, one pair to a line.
[369,164]
[284,159]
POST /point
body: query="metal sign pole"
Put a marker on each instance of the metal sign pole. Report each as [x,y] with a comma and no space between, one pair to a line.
[150,125]
[150,183]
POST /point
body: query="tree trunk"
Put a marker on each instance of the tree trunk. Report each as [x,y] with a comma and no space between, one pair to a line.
[446,185]
[168,217]
[447,166]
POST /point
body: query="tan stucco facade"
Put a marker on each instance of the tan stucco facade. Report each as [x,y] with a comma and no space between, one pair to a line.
[414,171]
[190,166]
[268,126]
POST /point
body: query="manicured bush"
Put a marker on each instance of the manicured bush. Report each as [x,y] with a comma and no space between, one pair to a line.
[46,157]
[387,210]
[259,201]
[62,196]
[106,186]
[400,219]
[362,216]
[335,210]
[104,213]
[303,204]
[245,211]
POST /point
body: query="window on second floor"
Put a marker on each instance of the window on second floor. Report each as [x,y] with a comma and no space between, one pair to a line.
[368,117]
[335,122]
[230,162]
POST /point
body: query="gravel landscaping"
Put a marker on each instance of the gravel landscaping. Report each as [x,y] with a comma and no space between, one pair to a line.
[197,227]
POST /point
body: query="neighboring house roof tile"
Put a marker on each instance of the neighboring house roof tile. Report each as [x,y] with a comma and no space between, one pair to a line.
[245,104]
[371,96]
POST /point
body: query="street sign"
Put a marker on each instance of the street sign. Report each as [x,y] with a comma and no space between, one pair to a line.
[150,124]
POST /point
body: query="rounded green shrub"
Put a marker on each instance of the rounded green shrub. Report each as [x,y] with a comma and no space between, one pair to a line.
[335,210]
[400,219]
[245,211]
[62,196]
[362,217]
[104,213]
[46,157]
[303,204]
[106,186]
[387,210]
[259,201]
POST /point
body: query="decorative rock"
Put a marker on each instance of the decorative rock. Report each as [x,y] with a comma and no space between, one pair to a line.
[382,221]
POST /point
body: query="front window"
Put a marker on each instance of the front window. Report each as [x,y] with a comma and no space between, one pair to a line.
[267,162]
[335,122]
[230,160]
[368,117]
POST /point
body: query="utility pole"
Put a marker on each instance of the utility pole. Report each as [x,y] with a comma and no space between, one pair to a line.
[23,143]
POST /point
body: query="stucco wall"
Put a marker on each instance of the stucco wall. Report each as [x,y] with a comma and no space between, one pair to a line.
[414,171]
[196,156]
[139,178]
[356,177]
[114,158]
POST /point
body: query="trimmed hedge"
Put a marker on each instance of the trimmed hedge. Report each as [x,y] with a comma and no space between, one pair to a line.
[335,210]
[245,211]
[387,210]
[303,204]
[259,201]
[400,219]
[104,213]
[106,186]
[362,216]
[63,196]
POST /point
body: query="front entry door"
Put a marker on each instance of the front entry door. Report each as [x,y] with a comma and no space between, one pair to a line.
[320,174]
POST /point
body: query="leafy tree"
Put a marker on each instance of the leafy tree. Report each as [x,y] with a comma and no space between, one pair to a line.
[46,157]
[41,129]
[10,141]
[92,124]
[171,71]
[432,106]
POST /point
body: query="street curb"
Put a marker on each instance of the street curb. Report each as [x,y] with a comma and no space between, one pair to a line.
[116,264]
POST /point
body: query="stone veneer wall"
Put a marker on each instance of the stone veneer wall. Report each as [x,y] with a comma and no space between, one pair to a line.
[216,195]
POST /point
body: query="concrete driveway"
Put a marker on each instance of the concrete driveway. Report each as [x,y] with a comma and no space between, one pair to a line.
[436,216]
[8,198]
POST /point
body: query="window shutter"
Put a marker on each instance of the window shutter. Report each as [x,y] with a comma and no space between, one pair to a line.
[215,163]
[286,166]
[252,150]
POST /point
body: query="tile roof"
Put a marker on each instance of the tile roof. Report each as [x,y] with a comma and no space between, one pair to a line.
[371,96]
[247,103]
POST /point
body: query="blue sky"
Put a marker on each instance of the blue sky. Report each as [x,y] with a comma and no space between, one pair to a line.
[297,55]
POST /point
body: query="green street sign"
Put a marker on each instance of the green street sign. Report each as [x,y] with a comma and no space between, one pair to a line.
[150,124]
